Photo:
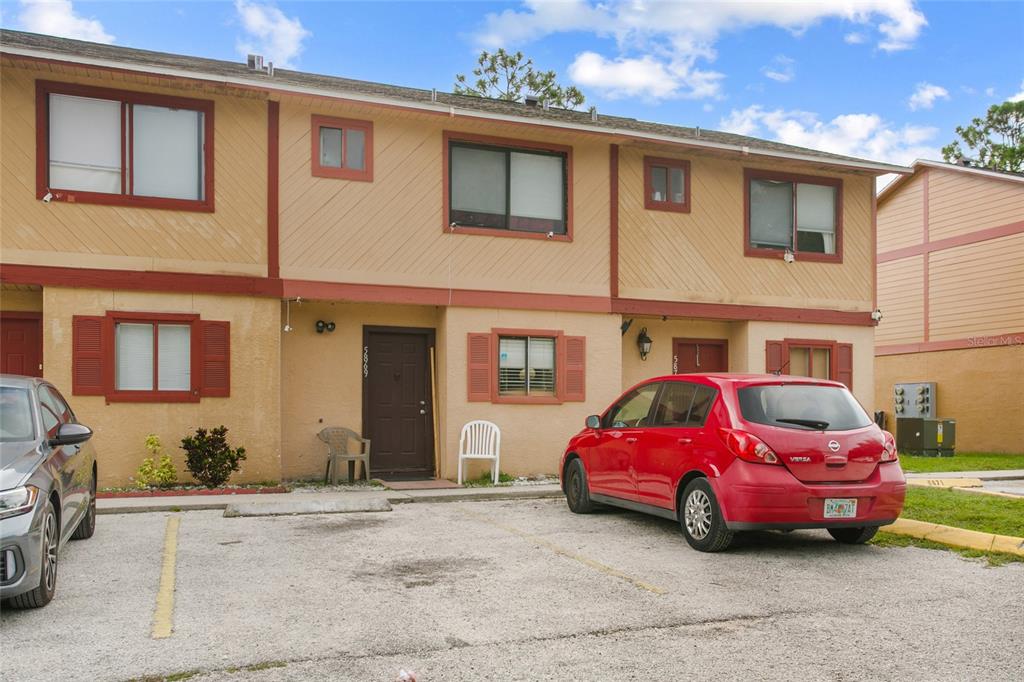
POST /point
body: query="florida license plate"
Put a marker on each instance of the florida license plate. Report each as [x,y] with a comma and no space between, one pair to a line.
[840,508]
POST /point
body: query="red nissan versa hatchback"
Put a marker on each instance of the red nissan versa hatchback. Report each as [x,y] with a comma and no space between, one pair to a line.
[723,453]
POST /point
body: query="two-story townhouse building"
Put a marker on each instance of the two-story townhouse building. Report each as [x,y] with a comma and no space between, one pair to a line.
[188,242]
[951,285]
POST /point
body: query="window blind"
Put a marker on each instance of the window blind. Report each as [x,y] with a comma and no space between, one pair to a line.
[771,213]
[536,186]
[167,156]
[816,212]
[174,357]
[85,144]
[478,180]
[134,363]
[355,149]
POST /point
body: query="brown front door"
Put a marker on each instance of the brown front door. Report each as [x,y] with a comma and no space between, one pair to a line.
[397,406]
[21,344]
[700,355]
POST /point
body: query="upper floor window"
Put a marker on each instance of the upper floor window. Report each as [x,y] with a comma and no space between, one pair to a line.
[793,213]
[520,189]
[666,184]
[342,148]
[104,146]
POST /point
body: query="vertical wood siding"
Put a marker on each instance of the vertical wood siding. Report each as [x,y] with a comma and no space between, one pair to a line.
[389,231]
[698,256]
[230,240]
[959,203]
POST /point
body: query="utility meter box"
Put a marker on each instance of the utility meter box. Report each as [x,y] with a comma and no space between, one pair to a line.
[914,400]
[928,437]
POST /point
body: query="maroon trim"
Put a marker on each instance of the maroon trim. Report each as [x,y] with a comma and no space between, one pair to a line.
[273,189]
[138,280]
[448,136]
[801,256]
[983,341]
[27,315]
[926,274]
[965,239]
[829,344]
[45,88]
[652,162]
[559,397]
[728,311]
[724,343]
[344,125]
[613,220]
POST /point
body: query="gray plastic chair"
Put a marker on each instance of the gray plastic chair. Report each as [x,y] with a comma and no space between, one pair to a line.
[338,439]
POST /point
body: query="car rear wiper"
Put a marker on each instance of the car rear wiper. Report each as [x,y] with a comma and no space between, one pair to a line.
[812,423]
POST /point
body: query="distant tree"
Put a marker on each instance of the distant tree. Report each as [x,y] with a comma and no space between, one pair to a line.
[995,142]
[511,77]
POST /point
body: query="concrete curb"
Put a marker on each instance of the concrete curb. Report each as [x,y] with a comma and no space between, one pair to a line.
[945,482]
[957,537]
[993,475]
[301,506]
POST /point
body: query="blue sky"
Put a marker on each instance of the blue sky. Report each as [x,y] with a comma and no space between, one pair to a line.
[883,79]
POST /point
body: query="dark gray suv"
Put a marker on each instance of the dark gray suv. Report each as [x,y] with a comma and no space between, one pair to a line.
[47,487]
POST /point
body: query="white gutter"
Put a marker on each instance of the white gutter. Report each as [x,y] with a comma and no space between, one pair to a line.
[446,109]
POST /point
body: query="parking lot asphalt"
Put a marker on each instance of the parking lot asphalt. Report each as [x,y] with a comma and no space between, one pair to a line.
[515,590]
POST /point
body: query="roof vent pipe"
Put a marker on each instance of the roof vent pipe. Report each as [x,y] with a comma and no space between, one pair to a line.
[433,94]
[593,114]
[698,132]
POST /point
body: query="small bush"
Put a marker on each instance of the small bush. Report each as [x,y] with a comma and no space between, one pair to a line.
[151,475]
[209,457]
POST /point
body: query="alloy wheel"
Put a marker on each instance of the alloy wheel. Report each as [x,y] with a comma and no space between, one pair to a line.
[50,551]
[697,514]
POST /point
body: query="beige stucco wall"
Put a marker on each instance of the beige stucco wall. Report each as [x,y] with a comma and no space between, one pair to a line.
[978,387]
[659,361]
[322,374]
[533,437]
[251,413]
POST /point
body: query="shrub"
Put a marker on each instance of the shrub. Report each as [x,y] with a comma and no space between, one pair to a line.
[209,457]
[150,475]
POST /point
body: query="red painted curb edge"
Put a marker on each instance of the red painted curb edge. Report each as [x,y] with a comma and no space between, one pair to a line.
[182,493]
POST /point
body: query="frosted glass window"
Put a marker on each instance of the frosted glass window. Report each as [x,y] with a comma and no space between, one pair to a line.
[536,186]
[167,152]
[134,362]
[355,149]
[659,183]
[771,214]
[816,218]
[330,147]
[85,144]
[174,357]
[478,181]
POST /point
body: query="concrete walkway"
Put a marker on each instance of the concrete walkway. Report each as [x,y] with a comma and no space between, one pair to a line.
[130,505]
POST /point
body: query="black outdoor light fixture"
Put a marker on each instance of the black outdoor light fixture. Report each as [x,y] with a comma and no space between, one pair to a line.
[643,342]
[322,326]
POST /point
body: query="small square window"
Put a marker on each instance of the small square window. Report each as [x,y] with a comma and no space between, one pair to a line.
[342,148]
[526,366]
[666,185]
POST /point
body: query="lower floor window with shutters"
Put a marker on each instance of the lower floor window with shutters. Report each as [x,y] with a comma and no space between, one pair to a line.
[526,366]
[150,357]
[815,358]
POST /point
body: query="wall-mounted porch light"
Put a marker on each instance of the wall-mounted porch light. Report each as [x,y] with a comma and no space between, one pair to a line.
[643,342]
[322,326]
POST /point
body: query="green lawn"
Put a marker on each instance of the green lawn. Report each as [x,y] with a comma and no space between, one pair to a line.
[962,461]
[973,511]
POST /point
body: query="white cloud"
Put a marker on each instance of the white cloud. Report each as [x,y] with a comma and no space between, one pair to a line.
[779,69]
[58,18]
[270,33]
[1019,97]
[855,38]
[866,136]
[925,95]
[645,77]
[678,34]
[991,92]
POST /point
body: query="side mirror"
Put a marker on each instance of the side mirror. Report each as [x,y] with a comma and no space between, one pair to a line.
[71,434]
[593,422]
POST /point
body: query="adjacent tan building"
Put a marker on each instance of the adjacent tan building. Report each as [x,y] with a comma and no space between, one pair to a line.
[280,252]
[951,289]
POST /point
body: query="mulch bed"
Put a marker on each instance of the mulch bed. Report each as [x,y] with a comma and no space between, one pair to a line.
[191,491]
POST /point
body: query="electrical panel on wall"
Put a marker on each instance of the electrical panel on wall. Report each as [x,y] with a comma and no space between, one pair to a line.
[914,400]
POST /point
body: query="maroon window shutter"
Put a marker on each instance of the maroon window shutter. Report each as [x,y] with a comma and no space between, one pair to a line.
[215,379]
[575,359]
[773,356]
[87,355]
[479,370]
[844,364]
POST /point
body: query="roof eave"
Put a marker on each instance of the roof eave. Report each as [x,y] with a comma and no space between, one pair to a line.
[449,110]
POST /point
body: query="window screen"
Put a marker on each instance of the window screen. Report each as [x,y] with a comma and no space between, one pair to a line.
[174,357]
[536,188]
[330,147]
[771,214]
[479,186]
[134,357]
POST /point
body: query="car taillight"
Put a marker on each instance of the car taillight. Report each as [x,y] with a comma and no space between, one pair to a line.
[748,447]
[888,447]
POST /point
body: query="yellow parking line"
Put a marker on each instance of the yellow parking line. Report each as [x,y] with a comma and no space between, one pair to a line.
[163,616]
[586,561]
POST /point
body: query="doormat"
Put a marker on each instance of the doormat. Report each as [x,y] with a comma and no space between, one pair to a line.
[428,484]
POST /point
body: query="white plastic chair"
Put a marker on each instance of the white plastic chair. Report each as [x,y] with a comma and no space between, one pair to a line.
[480,440]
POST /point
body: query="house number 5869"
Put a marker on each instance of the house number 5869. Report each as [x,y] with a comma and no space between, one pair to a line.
[366,361]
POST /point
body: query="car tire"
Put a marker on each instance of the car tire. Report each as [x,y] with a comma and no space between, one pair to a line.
[50,541]
[577,491]
[853,536]
[701,518]
[87,526]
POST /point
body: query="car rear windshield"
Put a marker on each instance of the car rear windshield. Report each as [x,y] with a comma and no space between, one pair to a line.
[802,406]
[15,415]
